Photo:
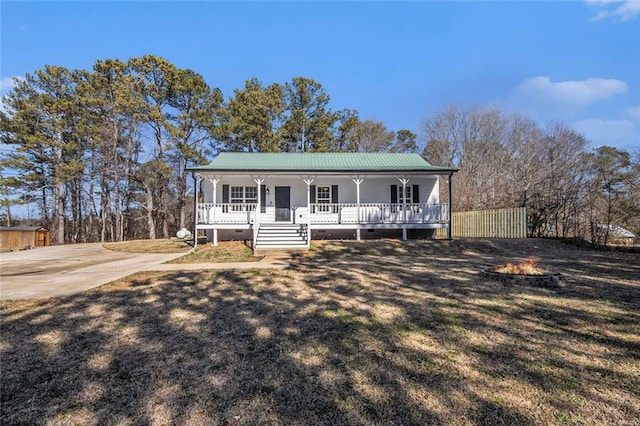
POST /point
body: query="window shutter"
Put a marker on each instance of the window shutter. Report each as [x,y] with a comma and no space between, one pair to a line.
[263,199]
[416,194]
[225,193]
[394,194]
[312,197]
[334,197]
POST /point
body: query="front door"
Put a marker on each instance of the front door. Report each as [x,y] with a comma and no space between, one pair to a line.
[283,204]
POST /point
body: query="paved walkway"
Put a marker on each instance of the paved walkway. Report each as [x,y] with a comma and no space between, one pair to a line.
[63,270]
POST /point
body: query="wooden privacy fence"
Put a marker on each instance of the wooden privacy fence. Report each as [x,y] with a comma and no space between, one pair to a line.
[498,223]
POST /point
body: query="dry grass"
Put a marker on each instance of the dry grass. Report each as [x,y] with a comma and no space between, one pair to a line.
[378,332]
[171,245]
[224,252]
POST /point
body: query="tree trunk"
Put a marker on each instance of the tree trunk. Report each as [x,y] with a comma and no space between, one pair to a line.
[150,220]
[60,212]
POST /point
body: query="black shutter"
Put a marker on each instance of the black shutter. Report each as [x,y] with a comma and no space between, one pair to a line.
[225,197]
[225,193]
[312,197]
[334,197]
[394,197]
[263,199]
[416,194]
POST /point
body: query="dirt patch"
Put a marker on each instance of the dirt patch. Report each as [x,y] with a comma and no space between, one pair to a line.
[378,332]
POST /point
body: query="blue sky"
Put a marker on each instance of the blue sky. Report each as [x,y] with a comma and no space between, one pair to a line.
[575,62]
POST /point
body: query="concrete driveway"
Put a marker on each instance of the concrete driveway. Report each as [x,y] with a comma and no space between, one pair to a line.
[62,270]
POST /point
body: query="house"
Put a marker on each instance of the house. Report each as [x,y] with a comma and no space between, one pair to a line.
[617,235]
[19,237]
[284,200]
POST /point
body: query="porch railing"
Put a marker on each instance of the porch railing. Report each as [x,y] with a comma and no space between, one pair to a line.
[339,213]
[334,213]
[226,213]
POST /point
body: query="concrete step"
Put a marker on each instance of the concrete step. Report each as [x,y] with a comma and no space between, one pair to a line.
[282,237]
[279,250]
[284,231]
[281,232]
[293,237]
[281,242]
[281,246]
[282,225]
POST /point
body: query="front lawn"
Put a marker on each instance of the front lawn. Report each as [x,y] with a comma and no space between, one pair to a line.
[224,252]
[164,245]
[376,332]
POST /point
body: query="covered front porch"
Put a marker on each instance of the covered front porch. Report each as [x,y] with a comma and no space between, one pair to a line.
[283,199]
[307,203]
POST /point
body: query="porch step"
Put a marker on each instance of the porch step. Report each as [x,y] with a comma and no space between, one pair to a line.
[282,236]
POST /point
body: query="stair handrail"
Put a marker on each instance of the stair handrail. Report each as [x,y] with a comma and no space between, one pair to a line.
[256,228]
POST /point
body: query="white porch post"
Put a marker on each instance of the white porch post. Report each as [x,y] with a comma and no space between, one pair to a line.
[214,181]
[196,187]
[308,181]
[256,215]
[450,204]
[259,181]
[404,181]
[358,180]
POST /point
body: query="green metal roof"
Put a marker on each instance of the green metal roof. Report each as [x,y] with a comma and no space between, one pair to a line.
[320,162]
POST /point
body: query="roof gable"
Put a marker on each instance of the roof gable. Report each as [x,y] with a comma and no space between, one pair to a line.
[320,162]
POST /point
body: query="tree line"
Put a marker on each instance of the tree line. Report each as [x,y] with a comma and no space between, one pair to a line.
[509,160]
[103,153]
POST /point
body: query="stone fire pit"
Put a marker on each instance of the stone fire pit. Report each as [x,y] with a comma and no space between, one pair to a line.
[526,272]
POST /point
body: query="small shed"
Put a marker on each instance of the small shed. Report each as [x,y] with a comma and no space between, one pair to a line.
[19,237]
[622,236]
[619,235]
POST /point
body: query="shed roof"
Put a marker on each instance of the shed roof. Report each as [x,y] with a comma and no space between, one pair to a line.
[320,162]
[22,228]
[619,231]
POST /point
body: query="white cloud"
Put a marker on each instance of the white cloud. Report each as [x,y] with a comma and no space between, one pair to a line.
[625,10]
[8,83]
[622,133]
[577,93]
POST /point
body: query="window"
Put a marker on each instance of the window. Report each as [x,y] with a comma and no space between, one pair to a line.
[402,198]
[250,194]
[243,195]
[324,199]
[323,196]
[237,194]
[401,195]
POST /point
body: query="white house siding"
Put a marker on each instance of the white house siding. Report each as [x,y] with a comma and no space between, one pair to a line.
[374,189]
[377,189]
